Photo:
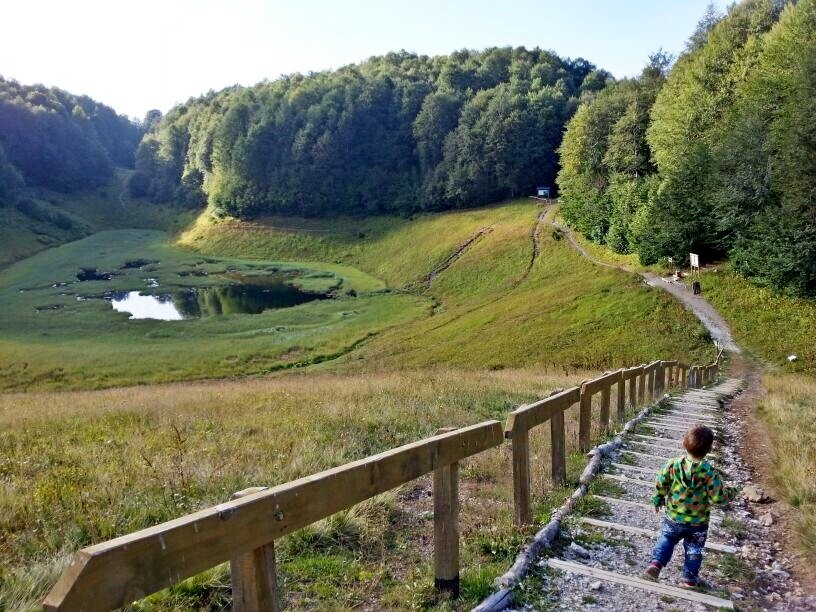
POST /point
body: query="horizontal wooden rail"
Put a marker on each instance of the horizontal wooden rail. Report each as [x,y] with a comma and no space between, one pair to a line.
[519,424]
[112,574]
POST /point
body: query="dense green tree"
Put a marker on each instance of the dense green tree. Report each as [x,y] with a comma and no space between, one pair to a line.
[727,165]
[606,166]
[698,92]
[765,159]
[397,133]
[10,181]
[64,142]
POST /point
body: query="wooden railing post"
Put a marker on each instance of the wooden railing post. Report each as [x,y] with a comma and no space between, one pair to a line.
[633,391]
[446,528]
[253,574]
[558,449]
[621,398]
[605,401]
[521,477]
[642,388]
[585,420]
[658,381]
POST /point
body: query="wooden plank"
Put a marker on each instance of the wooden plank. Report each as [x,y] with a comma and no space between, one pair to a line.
[639,454]
[630,373]
[680,414]
[680,419]
[446,530]
[558,449]
[601,382]
[640,583]
[634,468]
[521,477]
[642,388]
[651,533]
[673,419]
[624,501]
[526,417]
[645,483]
[114,573]
[716,516]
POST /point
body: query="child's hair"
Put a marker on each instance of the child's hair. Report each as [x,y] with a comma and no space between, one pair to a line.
[698,440]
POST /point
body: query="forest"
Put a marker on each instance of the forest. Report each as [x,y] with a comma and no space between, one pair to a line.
[710,152]
[397,133]
[53,139]
[713,156]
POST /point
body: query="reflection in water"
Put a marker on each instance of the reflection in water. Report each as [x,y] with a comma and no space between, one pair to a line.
[210,301]
[146,306]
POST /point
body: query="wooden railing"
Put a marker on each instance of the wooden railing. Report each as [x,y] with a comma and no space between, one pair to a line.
[243,530]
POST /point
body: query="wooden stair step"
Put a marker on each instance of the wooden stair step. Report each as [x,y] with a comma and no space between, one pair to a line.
[640,583]
[719,547]
[716,515]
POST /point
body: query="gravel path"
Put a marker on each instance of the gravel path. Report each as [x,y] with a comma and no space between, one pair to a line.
[749,575]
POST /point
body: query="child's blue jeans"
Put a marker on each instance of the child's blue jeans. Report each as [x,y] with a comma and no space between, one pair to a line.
[693,537]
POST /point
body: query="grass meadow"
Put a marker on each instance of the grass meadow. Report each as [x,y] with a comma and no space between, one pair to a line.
[432,335]
[85,466]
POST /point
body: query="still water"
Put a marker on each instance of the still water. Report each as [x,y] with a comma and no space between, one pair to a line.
[210,301]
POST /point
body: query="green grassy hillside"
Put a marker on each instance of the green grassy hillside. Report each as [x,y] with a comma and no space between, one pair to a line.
[496,305]
[442,319]
[493,306]
[44,219]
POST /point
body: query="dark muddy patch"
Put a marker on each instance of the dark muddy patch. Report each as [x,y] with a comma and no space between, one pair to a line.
[135,264]
[92,274]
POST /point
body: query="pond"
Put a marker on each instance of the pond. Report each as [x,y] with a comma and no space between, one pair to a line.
[210,301]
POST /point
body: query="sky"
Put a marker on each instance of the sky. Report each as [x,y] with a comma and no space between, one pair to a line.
[136,55]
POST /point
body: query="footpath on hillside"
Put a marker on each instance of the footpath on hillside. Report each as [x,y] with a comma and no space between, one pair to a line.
[598,561]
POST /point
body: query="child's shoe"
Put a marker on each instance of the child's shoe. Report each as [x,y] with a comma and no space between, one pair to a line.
[652,572]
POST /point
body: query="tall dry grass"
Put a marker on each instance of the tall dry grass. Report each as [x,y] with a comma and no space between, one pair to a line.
[82,467]
[789,409]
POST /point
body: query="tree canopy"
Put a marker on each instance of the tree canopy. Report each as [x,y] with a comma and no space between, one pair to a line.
[51,138]
[396,133]
[724,162]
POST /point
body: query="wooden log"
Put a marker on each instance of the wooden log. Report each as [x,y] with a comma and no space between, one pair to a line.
[558,449]
[521,478]
[621,405]
[114,573]
[253,574]
[446,530]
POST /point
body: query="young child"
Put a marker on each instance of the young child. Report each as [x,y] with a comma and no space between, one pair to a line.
[687,487]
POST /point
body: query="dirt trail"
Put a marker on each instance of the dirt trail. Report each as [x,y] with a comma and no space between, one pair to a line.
[698,305]
[456,254]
